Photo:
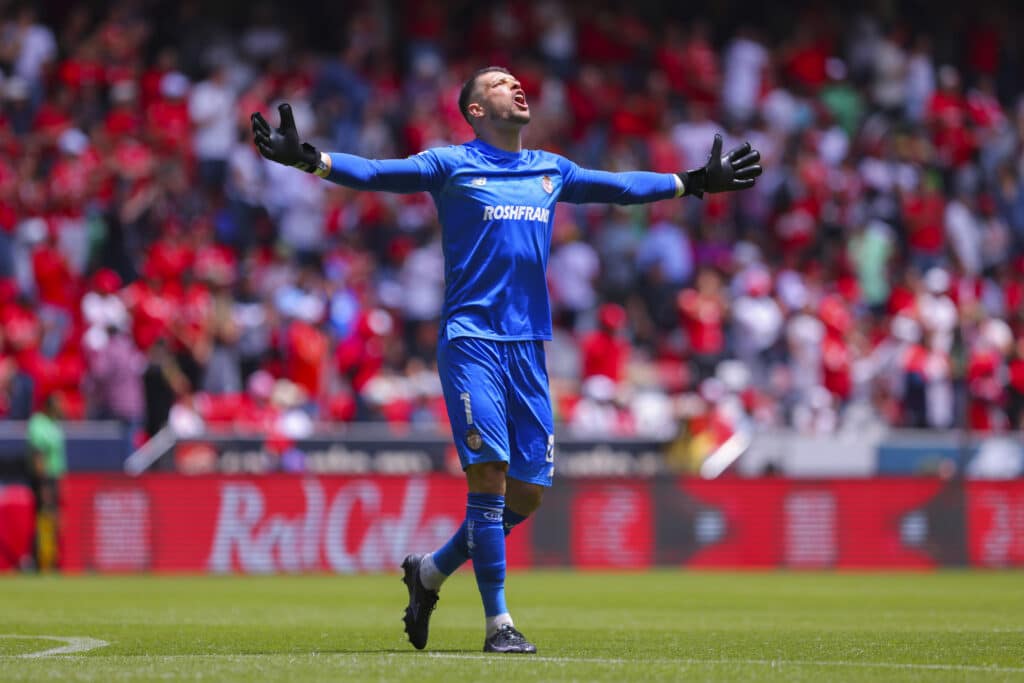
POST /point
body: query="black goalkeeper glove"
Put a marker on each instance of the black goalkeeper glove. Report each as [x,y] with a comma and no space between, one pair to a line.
[734,171]
[282,144]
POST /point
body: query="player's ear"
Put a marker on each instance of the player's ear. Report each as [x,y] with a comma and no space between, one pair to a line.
[475,110]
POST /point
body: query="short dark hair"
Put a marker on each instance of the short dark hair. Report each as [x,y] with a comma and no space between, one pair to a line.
[467,89]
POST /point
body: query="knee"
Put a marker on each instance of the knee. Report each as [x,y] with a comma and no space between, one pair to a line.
[523,498]
[487,477]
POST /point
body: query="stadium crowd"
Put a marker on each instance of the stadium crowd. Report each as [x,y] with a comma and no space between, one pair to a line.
[154,267]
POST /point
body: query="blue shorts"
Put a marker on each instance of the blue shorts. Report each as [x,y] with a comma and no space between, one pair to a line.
[498,404]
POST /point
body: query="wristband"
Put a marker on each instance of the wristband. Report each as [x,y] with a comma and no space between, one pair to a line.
[323,166]
[680,185]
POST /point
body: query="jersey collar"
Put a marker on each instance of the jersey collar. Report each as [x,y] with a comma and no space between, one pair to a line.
[492,151]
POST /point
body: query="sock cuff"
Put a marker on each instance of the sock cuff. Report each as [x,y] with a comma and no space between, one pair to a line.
[489,502]
[511,517]
[497,621]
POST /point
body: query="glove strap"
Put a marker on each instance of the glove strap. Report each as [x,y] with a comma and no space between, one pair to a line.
[312,161]
[694,182]
[323,165]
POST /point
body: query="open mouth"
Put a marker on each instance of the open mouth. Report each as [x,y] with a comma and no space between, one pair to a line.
[520,100]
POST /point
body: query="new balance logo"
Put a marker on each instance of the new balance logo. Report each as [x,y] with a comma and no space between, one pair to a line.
[516,213]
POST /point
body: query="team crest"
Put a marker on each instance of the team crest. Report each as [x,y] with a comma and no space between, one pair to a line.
[474,441]
[546,183]
[478,182]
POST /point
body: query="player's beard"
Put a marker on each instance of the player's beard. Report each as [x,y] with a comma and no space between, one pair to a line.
[517,116]
[509,116]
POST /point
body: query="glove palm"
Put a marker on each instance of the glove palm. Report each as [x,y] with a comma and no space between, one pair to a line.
[282,144]
[737,170]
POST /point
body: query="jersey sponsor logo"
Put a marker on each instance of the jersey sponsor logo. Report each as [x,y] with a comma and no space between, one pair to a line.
[516,213]
[478,182]
[546,183]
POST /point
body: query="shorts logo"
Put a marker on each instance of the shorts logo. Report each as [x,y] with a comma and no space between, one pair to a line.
[478,182]
[474,441]
[546,183]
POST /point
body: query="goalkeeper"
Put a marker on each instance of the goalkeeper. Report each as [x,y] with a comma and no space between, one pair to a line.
[495,202]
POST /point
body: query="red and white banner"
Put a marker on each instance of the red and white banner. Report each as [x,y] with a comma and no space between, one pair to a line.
[861,523]
[995,523]
[259,524]
[345,524]
[17,526]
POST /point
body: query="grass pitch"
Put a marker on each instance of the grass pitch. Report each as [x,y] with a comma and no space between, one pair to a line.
[954,626]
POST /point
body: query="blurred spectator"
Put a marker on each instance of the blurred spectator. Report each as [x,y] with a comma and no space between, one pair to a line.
[920,79]
[664,257]
[964,227]
[163,382]
[597,413]
[744,65]
[572,272]
[211,106]
[889,89]
[703,311]
[183,419]
[28,46]
[114,364]
[45,438]
[757,324]
[936,310]
[870,249]
[252,319]
[836,352]
[606,350]
[1015,388]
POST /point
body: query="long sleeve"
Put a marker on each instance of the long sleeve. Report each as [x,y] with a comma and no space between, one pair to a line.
[420,173]
[583,185]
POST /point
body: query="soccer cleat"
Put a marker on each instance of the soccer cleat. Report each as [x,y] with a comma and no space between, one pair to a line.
[421,602]
[507,639]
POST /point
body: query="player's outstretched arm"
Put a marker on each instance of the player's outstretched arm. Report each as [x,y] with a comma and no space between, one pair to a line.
[737,170]
[283,145]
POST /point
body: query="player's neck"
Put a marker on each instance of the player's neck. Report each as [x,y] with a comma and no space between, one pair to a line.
[510,140]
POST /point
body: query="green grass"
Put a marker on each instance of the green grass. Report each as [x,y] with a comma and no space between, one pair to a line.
[950,626]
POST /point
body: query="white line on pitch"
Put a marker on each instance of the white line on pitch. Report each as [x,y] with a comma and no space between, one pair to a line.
[84,644]
[761,662]
[72,645]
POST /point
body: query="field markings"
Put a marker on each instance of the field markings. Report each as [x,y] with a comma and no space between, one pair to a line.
[81,644]
[72,645]
[724,662]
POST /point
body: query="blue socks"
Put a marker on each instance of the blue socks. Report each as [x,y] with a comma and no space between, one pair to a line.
[509,519]
[452,554]
[482,537]
[485,538]
[455,552]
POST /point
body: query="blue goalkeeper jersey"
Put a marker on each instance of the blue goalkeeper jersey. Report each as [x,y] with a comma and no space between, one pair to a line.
[496,210]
